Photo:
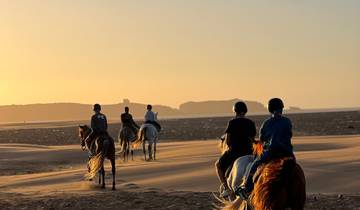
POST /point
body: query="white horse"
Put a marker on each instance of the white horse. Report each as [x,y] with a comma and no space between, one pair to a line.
[235,177]
[148,133]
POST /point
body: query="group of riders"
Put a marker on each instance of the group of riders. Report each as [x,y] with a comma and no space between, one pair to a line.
[99,124]
[275,135]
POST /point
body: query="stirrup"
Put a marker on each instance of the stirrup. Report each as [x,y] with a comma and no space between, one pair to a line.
[241,192]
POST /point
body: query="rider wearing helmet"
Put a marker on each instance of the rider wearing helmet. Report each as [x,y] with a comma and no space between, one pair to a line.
[98,121]
[240,133]
[275,134]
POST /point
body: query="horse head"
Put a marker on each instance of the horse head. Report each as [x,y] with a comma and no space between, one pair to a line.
[84,132]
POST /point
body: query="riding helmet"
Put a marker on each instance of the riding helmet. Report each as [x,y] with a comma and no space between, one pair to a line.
[275,104]
[97,107]
[240,107]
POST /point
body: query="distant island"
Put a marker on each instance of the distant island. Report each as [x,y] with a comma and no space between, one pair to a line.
[79,112]
[76,111]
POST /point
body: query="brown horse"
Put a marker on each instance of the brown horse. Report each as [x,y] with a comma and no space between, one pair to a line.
[280,185]
[127,139]
[100,147]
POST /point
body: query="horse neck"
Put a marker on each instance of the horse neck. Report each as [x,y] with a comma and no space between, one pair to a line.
[258,148]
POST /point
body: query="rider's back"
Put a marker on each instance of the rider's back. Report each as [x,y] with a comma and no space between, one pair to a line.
[242,131]
[126,119]
[150,116]
[99,123]
[276,133]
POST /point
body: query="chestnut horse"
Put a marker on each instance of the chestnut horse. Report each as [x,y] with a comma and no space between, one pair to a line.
[280,185]
[99,148]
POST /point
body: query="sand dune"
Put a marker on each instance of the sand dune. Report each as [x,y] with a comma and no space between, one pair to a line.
[331,166]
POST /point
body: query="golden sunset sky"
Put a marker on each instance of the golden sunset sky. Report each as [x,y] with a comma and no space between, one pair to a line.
[172,51]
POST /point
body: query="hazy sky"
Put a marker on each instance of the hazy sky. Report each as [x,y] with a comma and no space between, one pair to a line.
[169,52]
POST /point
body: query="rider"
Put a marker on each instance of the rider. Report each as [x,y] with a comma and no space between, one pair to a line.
[150,117]
[240,133]
[98,123]
[127,121]
[275,133]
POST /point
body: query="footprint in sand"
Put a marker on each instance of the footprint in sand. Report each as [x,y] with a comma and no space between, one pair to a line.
[131,186]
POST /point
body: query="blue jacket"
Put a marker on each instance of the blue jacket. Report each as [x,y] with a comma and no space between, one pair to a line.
[276,133]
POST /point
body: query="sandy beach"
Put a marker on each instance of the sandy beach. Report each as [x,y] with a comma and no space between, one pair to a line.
[183,177]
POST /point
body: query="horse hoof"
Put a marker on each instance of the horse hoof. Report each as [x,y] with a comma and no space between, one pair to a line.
[113,189]
[102,187]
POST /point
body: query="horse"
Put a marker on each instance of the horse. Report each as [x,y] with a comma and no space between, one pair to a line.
[126,138]
[280,184]
[99,148]
[148,133]
[234,174]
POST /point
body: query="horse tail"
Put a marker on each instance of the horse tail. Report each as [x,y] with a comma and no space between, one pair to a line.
[95,163]
[235,205]
[270,191]
[140,137]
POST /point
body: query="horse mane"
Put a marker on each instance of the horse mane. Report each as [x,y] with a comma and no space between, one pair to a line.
[235,205]
[258,148]
[269,192]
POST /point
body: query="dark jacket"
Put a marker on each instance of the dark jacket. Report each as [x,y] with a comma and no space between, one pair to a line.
[128,121]
[99,123]
[241,133]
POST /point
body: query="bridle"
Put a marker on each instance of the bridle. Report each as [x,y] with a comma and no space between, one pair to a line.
[85,138]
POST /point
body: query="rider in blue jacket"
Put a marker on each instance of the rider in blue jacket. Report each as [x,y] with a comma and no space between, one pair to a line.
[275,133]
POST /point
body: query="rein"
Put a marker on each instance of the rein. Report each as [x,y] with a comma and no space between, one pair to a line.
[85,139]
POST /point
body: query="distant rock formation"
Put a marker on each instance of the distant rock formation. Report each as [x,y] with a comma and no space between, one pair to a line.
[219,107]
[75,111]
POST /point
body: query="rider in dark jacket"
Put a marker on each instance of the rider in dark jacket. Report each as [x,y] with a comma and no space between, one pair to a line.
[128,121]
[98,121]
[240,134]
[275,133]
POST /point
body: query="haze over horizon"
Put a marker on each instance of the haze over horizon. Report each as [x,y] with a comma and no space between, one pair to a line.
[170,52]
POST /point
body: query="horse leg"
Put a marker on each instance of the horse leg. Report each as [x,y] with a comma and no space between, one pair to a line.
[132,154]
[144,151]
[127,151]
[150,151]
[103,177]
[113,169]
[155,150]
[100,176]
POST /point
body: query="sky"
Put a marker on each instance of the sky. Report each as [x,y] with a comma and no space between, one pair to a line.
[172,51]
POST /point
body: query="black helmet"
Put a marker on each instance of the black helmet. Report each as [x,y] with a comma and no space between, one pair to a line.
[149,107]
[97,107]
[240,107]
[275,104]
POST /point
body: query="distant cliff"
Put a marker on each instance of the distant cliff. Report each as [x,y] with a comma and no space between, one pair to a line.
[219,107]
[75,111]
